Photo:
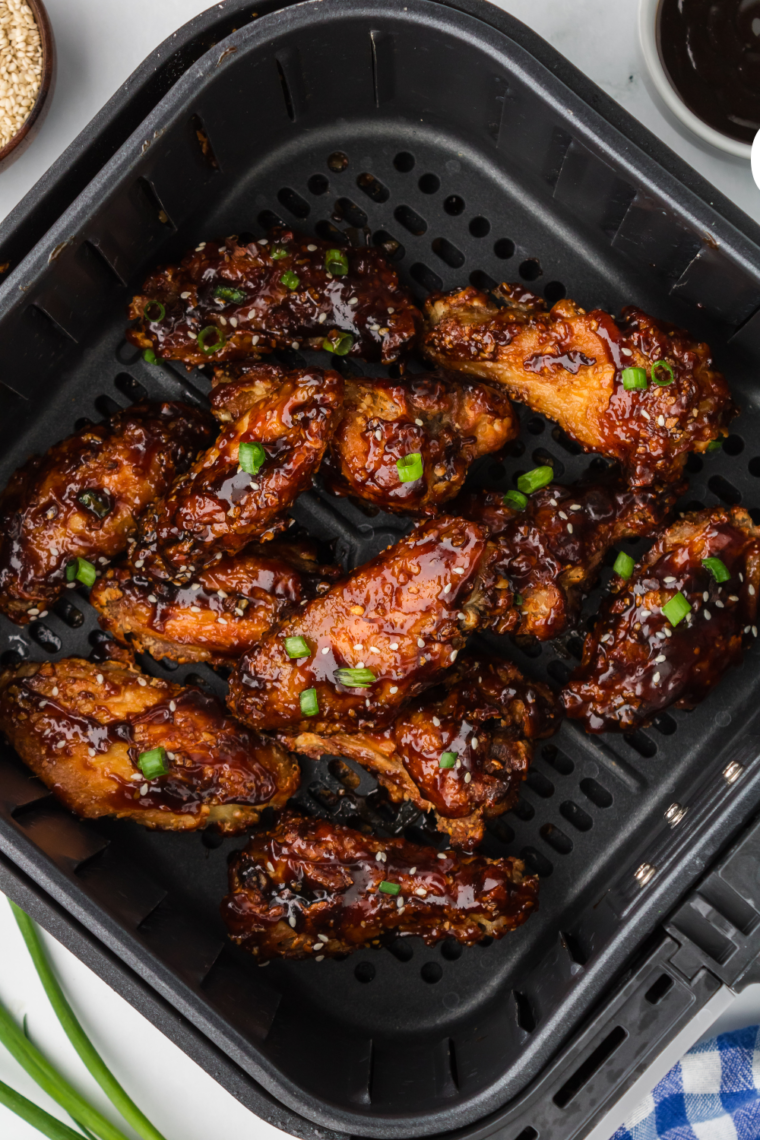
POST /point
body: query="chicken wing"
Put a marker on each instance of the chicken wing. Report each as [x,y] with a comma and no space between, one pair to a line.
[439,422]
[573,367]
[82,499]
[231,300]
[309,888]
[552,550]
[670,631]
[378,638]
[109,741]
[219,616]
[461,750]
[278,425]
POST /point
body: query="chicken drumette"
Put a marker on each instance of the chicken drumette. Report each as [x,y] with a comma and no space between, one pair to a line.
[82,499]
[232,300]
[109,741]
[670,631]
[406,445]
[461,750]
[309,888]
[574,366]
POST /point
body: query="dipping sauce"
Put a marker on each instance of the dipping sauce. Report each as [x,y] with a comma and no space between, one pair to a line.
[711,52]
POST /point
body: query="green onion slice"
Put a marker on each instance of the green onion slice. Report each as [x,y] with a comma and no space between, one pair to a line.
[355,678]
[96,502]
[634,378]
[662,373]
[389,888]
[153,762]
[161,312]
[251,457]
[229,293]
[290,279]
[204,334]
[516,500]
[448,760]
[676,609]
[278,252]
[410,467]
[536,479]
[80,570]
[297,647]
[717,568]
[623,565]
[715,445]
[340,344]
[336,262]
[150,357]
[309,702]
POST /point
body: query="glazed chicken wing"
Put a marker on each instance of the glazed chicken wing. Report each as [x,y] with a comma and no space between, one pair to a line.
[569,365]
[276,426]
[382,636]
[669,633]
[309,888]
[441,423]
[82,499]
[461,750]
[85,729]
[220,615]
[233,300]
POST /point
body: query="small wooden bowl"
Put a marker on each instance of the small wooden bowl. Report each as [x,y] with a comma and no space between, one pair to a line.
[20,141]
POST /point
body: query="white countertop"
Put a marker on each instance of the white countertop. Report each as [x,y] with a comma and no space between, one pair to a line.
[99,43]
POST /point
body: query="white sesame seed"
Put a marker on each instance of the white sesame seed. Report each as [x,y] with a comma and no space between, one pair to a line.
[733,598]
[453,655]
[705,596]
[255,339]
[659,660]
[441,855]
[741,576]
[326,649]
[412,870]
[661,421]
[311,248]
[90,751]
[378,435]
[322,318]
[378,857]
[569,528]
[270,868]
[421,892]
[100,678]
[296,345]
[195,609]
[576,507]
[458,570]
[751,591]
[421,643]
[400,902]
[142,682]
[200,247]
[447,588]
[139,563]
[359,664]
[393,689]
[358,647]
[195,586]
[643,614]
[55,691]
[707,614]
[33,612]
[418,422]
[656,678]
[172,706]
[152,598]
[468,777]
[719,604]
[754,631]
[645,414]
[669,580]
[263,241]
[668,632]
[394,645]
[626,352]
[292,920]
[552,502]
[353,301]
[144,790]
[319,958]
[562,515]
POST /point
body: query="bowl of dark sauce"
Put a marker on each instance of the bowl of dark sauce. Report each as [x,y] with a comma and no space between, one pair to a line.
[703,57]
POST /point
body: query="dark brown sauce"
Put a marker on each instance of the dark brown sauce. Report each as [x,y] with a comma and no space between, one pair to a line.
[711,52]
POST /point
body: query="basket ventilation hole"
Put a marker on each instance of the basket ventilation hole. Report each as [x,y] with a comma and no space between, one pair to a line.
[204,143]
[401,949]
[69,613]
[211,840]
[665,724]
[293,202]
[694,464]
[167,664]
[526,1018]
[530,269]
[11,658]
[585,1072]
[554,291]
[504,248]
[531,649]
[404,161]
[524,811]
[580,819]
[426,277]
[575,646]
[574,948]
[694,505]
[537,862]
[516,448]
[556,839]
[501,829]
[131,388]
[373,188]
[328,232]
[429,183]
[346,210]
[527,1134]
[431,972]
[392,249]
[318,185]
[535,425]
[733,445]
[657,991]
[347,776]
[559,672]
[539,784]
[480,279]
[641,743]
[151,198]
[544,458]
[565,442]
[480,227]
[448,253]
[107,407]
[364,972]
[325,797]
[338,162]
[454,205]
[196,679]
[410,220]
[268,220]
[726,492]
[451,949]
[286,91]
[561,763]
[595,792]
[45,637]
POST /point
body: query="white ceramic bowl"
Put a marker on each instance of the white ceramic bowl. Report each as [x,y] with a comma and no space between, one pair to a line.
[658,76]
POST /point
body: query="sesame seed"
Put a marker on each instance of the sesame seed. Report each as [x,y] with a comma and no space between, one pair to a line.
[326,649]
[453,655]
[660,659]
[421,643]
[91,751]
[656,678]
[441,855]
[668,581]
[418,422]
[754,631]
[353,301]
[719,604]
[668,632]
[319,958]
[562,515]
[358,647]
[569,528]
[198,248]
[436,722]
[33,612]
[322,318]
[661,421]
[643,614]
[378,435]
[741,576]
[645,414]
[195,586]
[195,609]
[626,352]
[152,598]
[705,596]
[552,502]
[576,507]
[255,339]
[296,345]
[400,902]
[139,563]
[311,248]
[458,570]
[394,688]
[707,614]
[394,645]
[142,682]
[263,241]
[446,588]
[733,598]
[270,868]
[100,678]
[55,691]
[412,870]
[751,591]
[359,664]
[468,777]
[474,742]
[421,892]
[292,920]
[172,706]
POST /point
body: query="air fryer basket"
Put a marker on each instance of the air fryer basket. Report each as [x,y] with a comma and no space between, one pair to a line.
[421,125]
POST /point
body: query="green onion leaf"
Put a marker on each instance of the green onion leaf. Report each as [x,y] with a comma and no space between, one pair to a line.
[389,888]
[662,373]
[309,702]
[339,343]
[676,609]
[355,678]
[278,252]
[251,457]
[623,565]
[229,293]
[297,647]
[96,502]
[536,479]
[290,279]
[80,570]
[153,763]
[717,568]
[336,262]
[48,1125]
[154,305]
[516,500]
[448,760]
[410,467]
[150,357]
[634,378]
[715,445]
[204,334]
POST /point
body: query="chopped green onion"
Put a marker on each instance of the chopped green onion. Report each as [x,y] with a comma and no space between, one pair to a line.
[153,762]
[676,609]
[150,357]
[251,457]
[715,445]
[80,570]
[634,378]
[290,279]
[623,565]
[518,599]
[389,888]
[297,647]
[516,500]
[410,467]
[662,366]
[340,344]
[336,262]
[159,306]
[717,568]
[309,702]
[203,336]
[99,504]
[536,479]
[355,678]
[448,760]
[229,293]
[278,252]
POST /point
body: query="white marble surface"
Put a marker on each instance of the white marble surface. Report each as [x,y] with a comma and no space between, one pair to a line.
[99,44]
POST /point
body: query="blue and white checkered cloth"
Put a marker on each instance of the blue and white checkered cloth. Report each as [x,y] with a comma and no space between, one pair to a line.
[712,1094]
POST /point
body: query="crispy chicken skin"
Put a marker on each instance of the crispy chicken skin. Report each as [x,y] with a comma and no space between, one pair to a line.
[448,420]
[635,663]
[81,727]
[217,508]
[404,616]
[486,713]
[83,497]
[237,291]
[220,615]
[568,365]
[551,552]
[309,888]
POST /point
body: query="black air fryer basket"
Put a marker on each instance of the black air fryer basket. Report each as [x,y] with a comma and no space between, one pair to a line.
[459,141]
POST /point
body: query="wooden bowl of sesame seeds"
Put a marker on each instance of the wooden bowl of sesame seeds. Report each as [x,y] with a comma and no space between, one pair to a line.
[27,74]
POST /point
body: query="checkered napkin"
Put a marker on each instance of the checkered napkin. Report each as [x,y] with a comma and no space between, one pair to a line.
[712,1094]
